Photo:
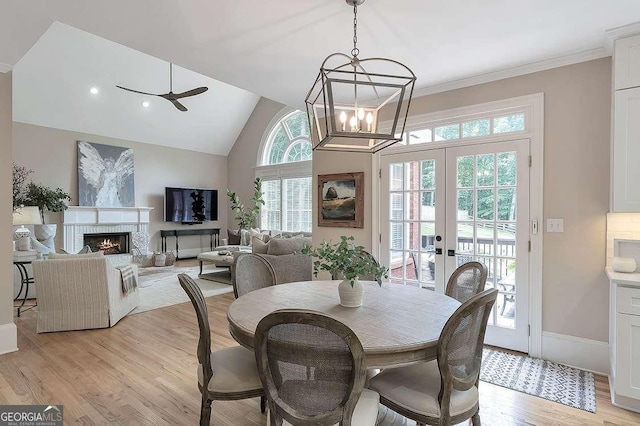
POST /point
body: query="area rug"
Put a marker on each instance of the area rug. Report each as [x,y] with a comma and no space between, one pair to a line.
[166,291]
[544,379]
[222,276]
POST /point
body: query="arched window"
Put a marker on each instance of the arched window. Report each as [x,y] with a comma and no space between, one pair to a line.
[285,168]
[288,140]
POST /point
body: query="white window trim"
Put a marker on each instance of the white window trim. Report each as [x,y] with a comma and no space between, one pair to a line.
[533,107]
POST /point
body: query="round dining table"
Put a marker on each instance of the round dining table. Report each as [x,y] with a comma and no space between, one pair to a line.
[396,324]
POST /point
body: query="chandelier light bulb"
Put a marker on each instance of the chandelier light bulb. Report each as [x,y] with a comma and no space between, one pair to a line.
[360,114]
[353,123]
[369,121]
[343,120]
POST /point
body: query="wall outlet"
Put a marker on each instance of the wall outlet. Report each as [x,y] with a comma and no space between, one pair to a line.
[555,225]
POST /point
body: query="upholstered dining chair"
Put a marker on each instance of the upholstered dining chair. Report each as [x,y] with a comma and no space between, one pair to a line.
[226,374]
[251,272]
[443,391]
[466,281]
[312,369]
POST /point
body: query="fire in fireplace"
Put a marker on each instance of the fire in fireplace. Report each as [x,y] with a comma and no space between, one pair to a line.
[108,242]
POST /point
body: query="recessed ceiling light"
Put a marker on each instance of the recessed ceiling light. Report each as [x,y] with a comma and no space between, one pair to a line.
[146,104]
[94,90]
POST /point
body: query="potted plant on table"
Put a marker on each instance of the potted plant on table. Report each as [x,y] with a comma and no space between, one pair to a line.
[49,199]
[349,261]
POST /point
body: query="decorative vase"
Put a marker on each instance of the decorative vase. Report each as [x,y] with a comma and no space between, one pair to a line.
[45,234]
[351,296]
[624,264]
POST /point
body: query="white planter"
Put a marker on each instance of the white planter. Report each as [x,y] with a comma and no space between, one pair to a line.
[46,234]
[351,297]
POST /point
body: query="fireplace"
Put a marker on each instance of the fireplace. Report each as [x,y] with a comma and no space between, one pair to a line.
[108,242]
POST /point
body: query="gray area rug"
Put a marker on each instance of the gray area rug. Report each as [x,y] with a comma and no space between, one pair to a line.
[223,276]
[544,379]
[162,289]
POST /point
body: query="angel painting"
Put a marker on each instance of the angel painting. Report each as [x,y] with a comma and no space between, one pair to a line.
[105,175]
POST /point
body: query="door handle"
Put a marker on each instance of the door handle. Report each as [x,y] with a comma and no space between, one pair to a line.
[438,251]
[451,252]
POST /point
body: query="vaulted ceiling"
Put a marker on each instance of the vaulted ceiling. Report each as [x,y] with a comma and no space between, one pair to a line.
[274,48]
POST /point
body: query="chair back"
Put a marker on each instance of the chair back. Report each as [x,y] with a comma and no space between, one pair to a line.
[252,272]
[204,342]
[311,367]
[460,346]
[466,281]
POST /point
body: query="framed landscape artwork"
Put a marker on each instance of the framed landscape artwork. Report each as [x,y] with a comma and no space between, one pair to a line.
[105,175]
[341,200]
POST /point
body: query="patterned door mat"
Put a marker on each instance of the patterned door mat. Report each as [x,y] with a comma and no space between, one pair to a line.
[544,379]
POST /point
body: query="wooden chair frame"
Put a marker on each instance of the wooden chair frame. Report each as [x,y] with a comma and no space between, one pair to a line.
[447,382]
[204,355]
[453,279]
[344,412]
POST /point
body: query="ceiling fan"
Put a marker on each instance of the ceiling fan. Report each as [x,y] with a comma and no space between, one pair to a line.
[171,97]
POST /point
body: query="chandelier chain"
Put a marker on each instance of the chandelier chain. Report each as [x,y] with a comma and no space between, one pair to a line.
[355,50]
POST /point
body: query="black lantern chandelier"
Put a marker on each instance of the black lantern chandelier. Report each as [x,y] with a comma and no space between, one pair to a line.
[347,100]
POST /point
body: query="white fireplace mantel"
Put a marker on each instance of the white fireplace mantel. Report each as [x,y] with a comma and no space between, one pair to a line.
[80,220]
[80,215]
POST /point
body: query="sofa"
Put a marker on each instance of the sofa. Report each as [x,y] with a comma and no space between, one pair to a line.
[77,292]
[254,271]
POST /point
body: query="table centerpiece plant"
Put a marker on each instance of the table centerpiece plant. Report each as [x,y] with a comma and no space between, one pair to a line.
[350,262]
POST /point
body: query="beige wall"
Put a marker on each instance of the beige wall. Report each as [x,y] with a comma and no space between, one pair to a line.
[52,155]
[6,231]
[243,157]
[576,183]
[576,186]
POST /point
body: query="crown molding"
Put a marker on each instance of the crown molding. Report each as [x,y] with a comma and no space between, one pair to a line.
[620,32]
[547,64]
[5,68]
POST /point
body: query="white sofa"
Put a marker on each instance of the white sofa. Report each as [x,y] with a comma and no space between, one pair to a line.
[80,292]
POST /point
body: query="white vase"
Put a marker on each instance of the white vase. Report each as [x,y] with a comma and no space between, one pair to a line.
[45,234]
[624,264]
[351,296]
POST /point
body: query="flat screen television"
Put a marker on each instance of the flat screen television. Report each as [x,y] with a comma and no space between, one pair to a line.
[190,205]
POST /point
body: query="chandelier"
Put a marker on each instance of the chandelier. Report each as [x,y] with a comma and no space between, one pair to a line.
[348,99]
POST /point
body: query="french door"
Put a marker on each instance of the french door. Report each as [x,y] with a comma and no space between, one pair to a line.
[444,207]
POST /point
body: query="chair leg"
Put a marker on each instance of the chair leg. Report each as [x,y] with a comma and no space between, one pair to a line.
[475,420]
[205,411]
[263,404]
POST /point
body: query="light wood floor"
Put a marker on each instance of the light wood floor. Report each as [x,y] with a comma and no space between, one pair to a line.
[143,372]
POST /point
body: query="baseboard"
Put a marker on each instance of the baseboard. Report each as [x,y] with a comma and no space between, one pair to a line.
[586,354]
[8,338]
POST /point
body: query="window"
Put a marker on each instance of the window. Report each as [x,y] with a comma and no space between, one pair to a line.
[285,167]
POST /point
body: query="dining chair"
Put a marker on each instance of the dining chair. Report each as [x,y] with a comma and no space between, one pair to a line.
[443,391]
[312,369]
[466,281]
[225,374]
[252,272]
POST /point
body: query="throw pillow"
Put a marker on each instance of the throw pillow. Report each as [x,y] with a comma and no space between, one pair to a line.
[234,237]
[83,250]
[281,246]
[245,237]
[258,246]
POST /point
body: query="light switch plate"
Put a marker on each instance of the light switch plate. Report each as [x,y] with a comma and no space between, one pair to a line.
[555,225]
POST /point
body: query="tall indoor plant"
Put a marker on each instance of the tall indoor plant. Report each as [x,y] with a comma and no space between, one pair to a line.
[245,215]
[349,261]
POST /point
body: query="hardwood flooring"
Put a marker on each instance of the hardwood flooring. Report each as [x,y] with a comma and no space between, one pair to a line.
[143,372]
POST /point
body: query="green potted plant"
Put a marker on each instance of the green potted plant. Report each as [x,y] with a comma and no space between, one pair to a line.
[245,215]
[350,261]
[45,198]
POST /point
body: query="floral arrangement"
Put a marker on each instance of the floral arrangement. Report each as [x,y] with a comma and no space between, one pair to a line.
[347,259]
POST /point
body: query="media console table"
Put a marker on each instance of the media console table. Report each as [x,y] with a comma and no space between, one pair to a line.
[214,234]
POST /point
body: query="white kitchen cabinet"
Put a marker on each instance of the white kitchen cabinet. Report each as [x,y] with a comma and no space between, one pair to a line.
[626,151]
[624,339]
[627,63]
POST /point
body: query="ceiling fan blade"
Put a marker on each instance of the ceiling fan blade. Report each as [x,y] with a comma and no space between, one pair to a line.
[191,92]
[178,105]
[136,91]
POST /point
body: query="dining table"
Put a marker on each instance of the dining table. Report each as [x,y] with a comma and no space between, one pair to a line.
[396,324]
